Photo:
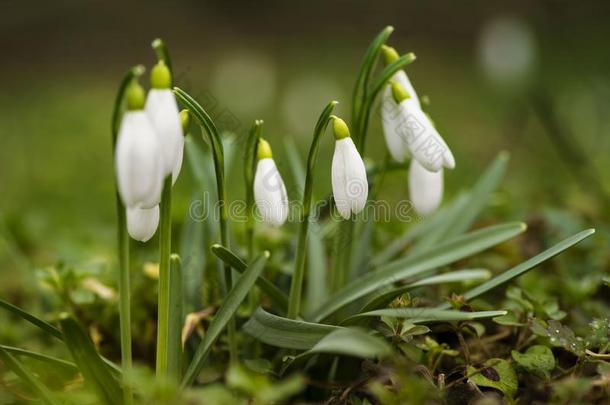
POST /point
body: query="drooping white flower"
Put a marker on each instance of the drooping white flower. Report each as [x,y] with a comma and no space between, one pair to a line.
[418,134]
[349,182]
[269,190]
[138,159]
[425,188]
[408,131]
[142,223]
[162,109]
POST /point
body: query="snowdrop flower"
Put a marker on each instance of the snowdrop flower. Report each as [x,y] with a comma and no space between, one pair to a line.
[142,223]
[425,188]
[162,110]
[138,159]
[407,129]
[269,191]
[350,186]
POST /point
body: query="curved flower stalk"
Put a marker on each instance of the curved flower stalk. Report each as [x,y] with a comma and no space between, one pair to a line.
[350,186]
[142,223]
[162,109]
[425,188]
[138,159]
[269,190]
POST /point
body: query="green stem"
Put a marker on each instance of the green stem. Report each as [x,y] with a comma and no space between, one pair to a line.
[174,358]
[214,139]
[123,243]
[296,284]
[162,53]
[163,307]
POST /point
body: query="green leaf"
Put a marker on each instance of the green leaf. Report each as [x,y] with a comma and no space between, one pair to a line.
[43,325]
[498,374]
[283,332]
[53,361]
[95,371]
[425,315]
[239,265]
[16,367]
[510,319]
[347,342]
[527,265]
[467,209]
[538,360]
[226,311]
[441,255]
[384,299]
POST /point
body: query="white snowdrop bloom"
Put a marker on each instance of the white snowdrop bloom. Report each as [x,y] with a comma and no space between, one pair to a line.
[416,131]
[407,129]
[349,182]
[425,188]
[162,109]
[269,190]
[138,159]
[142,223]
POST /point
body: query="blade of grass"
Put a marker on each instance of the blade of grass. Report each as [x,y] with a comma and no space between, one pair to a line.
[526,266]
[43,325]
[225,313]
[441,255]
[384,298]
[276,295]
[53,361]
[424,315]
[16,367]
[283,332]
[93,368]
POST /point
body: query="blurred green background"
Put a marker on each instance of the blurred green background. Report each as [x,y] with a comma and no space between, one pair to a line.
[528,77]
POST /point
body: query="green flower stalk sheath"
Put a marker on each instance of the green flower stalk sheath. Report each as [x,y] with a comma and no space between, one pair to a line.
[123,243]
[204,120]
[296,285]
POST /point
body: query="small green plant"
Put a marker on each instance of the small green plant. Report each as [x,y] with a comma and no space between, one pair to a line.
[355,325]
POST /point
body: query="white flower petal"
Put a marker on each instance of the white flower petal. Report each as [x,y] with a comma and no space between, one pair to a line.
[270,193]
[425,188]
[162,109]
[424,141]
[350,187]
[142,223]
[138,161]
[402,78]
[391,119]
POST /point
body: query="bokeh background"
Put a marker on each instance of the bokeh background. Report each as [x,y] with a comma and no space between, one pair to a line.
[528,77]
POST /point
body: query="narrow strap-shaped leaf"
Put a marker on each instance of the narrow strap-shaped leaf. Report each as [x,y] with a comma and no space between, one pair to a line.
[276,295]
[425,315]
[94,369]
[346,342]
[16,367]
[54,361]
[174,341]
[384,299]
[43,325]
[283,332]
[526,266]
[441,255]
[226,311]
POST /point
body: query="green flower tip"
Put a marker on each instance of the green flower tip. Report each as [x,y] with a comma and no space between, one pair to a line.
[185,120]
[399,93]
[136,96]
[160,76]
[340,128]
[389,54]
[264,150]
